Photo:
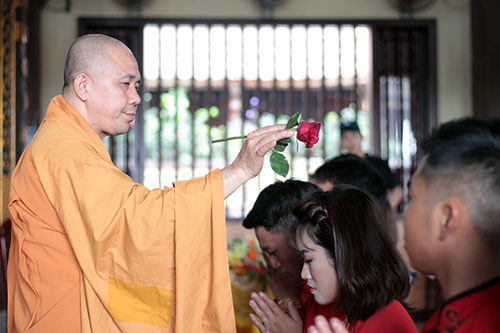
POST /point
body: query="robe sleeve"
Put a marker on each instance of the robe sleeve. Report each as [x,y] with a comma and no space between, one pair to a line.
[150,260]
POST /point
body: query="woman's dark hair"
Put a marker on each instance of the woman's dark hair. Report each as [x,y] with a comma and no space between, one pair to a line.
[349,223]
[274,205]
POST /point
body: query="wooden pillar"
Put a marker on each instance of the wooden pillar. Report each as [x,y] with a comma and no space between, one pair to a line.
[485,57]
[7,100]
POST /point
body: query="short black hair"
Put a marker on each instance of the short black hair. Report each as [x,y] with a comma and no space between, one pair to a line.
[349,224]
[349,126]
[274,205]
[353,170]
[463,157]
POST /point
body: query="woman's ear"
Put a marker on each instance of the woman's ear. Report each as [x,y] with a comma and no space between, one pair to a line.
[81,86]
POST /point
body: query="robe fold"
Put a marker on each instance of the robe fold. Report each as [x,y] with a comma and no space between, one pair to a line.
[93,251]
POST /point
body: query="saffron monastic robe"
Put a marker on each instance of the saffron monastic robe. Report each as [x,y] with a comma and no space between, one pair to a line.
[92,250]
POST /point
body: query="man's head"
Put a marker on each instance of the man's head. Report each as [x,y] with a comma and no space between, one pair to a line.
[272,219]
[101,79]
[351,138]
[352,170]
[455,193]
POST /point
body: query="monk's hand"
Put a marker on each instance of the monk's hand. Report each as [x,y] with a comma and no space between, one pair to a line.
[272,318]
[321,325]
[249,161]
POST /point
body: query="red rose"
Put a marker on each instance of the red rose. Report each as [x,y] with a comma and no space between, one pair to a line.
[308,132]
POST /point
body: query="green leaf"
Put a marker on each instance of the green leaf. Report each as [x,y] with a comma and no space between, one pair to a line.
[294,121]
[284,141]
[279,164]
[280,147]
[282,144]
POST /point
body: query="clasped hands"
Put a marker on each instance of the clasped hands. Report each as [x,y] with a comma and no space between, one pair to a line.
[274,317]
[274,320]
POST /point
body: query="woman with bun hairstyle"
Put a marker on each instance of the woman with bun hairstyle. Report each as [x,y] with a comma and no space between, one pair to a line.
[352,269]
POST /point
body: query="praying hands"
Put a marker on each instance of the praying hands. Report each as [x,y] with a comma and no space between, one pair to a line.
[272,318]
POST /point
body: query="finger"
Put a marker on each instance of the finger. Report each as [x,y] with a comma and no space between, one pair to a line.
[260,299]
[270,303]
[268,142]
[292,310]
[322,325]
[255,320]
[268,132]
[337,326]
[258,310]
[312,329]
[267,129]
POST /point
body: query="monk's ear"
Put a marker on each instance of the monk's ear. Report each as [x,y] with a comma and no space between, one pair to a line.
[81,86]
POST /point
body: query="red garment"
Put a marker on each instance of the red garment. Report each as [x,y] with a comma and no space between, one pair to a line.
[392,318]
[475,310]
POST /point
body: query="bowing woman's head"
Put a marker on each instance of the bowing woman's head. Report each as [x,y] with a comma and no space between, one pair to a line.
[349,258]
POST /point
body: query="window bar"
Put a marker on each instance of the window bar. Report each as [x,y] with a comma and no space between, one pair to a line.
[259,88]
[127,154]
[192,97]
[139,151]
[291,94]
[244,104]
[420,56]
[386,134]
[413,80]
[157,99]
[340,93]
[225,99]
[209,98]
[394,111]
[176,117]
[356,99]
[411,74]
[323,92]
[307,97]
[402,70]
[112,148]
[382,81]
[274,99]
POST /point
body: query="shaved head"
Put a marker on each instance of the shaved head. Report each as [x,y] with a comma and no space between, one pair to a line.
[88,54]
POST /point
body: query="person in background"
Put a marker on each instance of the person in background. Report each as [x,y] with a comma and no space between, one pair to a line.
[353,170]
[91,249]
[350,141]
[452,227]
[352,269]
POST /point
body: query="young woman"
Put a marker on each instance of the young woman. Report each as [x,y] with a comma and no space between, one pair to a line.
[352,269]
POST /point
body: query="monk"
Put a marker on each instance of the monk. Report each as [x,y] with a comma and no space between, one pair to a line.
[94,251]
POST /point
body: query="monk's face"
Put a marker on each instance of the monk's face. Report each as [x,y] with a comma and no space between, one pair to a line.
[113,97]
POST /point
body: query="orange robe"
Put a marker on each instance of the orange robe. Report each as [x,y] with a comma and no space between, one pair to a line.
[93,251]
